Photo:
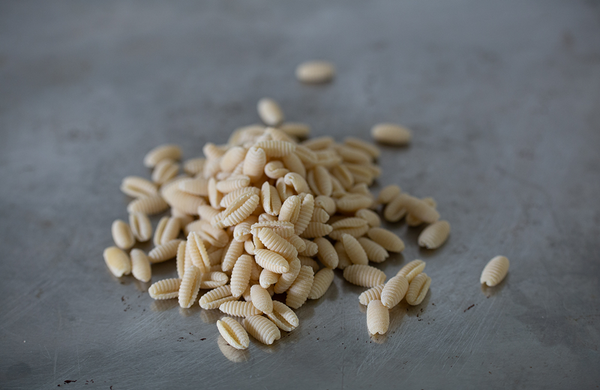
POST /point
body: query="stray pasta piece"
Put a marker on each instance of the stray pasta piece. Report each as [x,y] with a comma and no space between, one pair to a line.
[122,235]
[270,112]
[140,226]
[138,187]
[315,72]
[354,250]
[233,333]
[140,265]
[418,289]
[375,252]
[149,205]
[283,317]
[392,134]
[434,235]
[378,317]
[214,298]
[386,239]
[495,271]
[299,290]
[190,286]
[161,153]
[117,261]
[261,299]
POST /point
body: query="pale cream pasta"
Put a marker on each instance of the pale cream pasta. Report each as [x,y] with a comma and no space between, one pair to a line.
[283,317]
[295,129]
[363,145]
[233,333]
[278,244]
[196,251]
[270,199]
[315,72]
[140,265]
[322,281]
[495,271]
[306,211]
[344,260]
[261,299]
[299,290]
[122,235]
[412,269]
[378,317]
[271,260]
[293,163]
[240,275]
[354,250]
[190,286]
[270,112]
[232,253]
[370,216]
[268,278]
[262,329]
[161,153]
[165,289]
[164,171]
[287,278]
[394,290]
[390,133]
[386,239]
[254,163]
[316,229]
[118,261]
[418,289]
[140,226]
[375,252]
[138,187]
[351,203]
[327,253]
[374,293]
[239,309]
[319,181]
[434,235]
[364,275]
[276,148]
[194,166]
[213,279]
[214,298]
[163,252]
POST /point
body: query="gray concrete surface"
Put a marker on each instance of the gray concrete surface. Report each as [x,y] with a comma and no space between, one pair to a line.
[504,101]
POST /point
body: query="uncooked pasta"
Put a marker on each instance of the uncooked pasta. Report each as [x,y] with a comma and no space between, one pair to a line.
[233,333]
[495,271]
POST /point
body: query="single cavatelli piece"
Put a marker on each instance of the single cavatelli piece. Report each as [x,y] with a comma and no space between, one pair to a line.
[386,239]
[375,252]
[394,291]
[434,235]
[327,254]
[214,298]
[412,269]
[299,290]
[262,329]
[283,317]
[240,276]
[148,205]
[418,289]
[165,289]
[140,226]
[233,333]
[239,309]
[164,252]
[321,283]
[140,265]
[378,317]
[495,271]
[117,261]
[354,250]
[364,275]
[371,294]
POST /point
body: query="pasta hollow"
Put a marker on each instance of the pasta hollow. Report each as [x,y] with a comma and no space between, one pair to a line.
[283,317]
[233,333]
[412,269]
[418,289]
[495,271]
[140,226]
[140,265]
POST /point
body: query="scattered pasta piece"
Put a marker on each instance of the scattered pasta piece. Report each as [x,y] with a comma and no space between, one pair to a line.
[418,289]
[233,333]
[392,134]
[434,235]
[315,72]
[495,271]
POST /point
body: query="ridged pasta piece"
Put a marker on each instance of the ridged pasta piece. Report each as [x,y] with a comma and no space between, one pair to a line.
[328,158]
[160,228]
[270,112]
[389,133]
[351,222]
[294,129]
[355,232]
[190,286]
[344,260]
[180,259]
[319,181]
[412,269]
[249,247]
[306,211]
[495,271]
[343,175]
[378,318]
[138,187]
[196,250]
[283,189]
[364,275]
[315,72]
[374,293]
[319,143]
[171,230]
[165,289]
[140,226]
[316,229]
[268,278]
[232,158]
[370,216]
[194,166]
[283,317]
[233,183]
[207,212]
[240,276]
[354,250]
[375,252]
[238,211]
[297,242]
[272,261]
[421,210]
[245,134]
[140,265]
[164,171]
[275,170]
[232,253]
[117,261]
[264,217]
[320,215]
[233,333]
[214,298]
[276,148]
[232,196]
[279,135]
[239,309]
[293,163]
[214,236]
[338,190]
[296,181]
[327,253]
[262,329]
[214,196]
[353,155]
[418,289]
[361,173]
[365,146]
[182,200]
[309,261]
[386,239]
[394,291]
[321,283]
[412,220]
[164,252]
[254,163]
[212,151]
[160,153]
[242,231]
[278,244]
[396,209]
[306,156]
[299,290]
[311,248]
[148,205]
[290,210]
[287,278]
[213,279]
[270,199]
[434,235]
[122,235]
[326,203]
[261,299]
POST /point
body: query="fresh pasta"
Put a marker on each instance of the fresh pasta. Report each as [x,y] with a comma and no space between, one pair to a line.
[233,333]
[495,271]
[378,317]
[418,289]
[434,235]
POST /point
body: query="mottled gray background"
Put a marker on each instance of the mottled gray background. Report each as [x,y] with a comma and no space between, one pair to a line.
[504,101]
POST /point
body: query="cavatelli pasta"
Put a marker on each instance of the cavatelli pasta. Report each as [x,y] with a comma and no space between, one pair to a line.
[239,309]
[375,252]
[495,271]
[344,260]
[278,244]
[283,317]
[181,260]
[327,254]
[297,182]
[319,181]
[149,205]
[386,239]
[393,291]
[316,229]
[138,187]
[371,294]
[165,289]
[306,211]
[271,260]
[213,279]
[140,265]
[321,283]
[297,242]
[311,248]
[159,230]
[326,203]
[122,235]
[290,210]
[262,329]
[171,230]
[240,276]
[254,163]
[164,171]
[276,148]
[421,209]
[270,199]
[412,269]
[118,261]
[395,210]
[140,226]
[389,133]
[268,278]
[261,299]
[418,289]
[270,112]
[164,252]
[275,169]
[309,261]
[232,158]
[238,211]
[434,235]
[214,298]
[294,129]
[354,250]
[196,250]
[378,317]
[370,216]
[411,220]
[182,200]
[365,146]
[287,278]
[320,215]
[364,275]
[190,286]
[233,333]
[160,153]
[299,290]
[232,253]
